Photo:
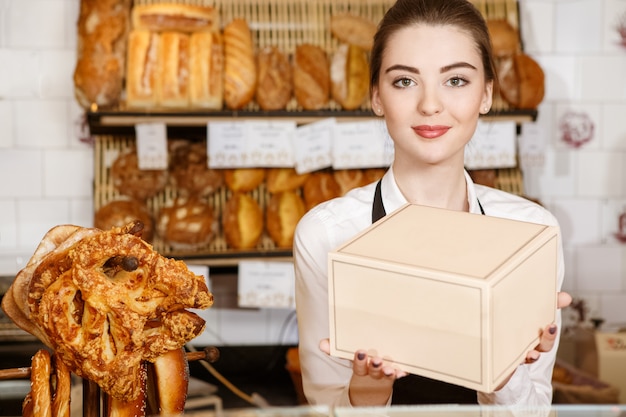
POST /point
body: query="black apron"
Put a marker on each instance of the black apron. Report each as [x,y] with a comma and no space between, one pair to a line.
[415,389]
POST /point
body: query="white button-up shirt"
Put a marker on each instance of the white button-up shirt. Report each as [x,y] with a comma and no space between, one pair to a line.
[325,227]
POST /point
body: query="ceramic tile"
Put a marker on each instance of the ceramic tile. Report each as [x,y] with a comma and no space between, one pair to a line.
[569,38]
[561,76]
[19,73]
[81,211]
[614,137]
[600,174]
[6,125]
[41,124]
[600,75]
[599,268]
[4,12]
[37,217]
[68,173]
[569,279]
[243,326]
[579,220]
[24,169]
[552,178]
[614,26]
[537,26]
[8,221]
[56,76]
[613,223]
[613,309]
[37,24]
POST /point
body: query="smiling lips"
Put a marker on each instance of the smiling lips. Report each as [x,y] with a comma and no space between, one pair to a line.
[430,132]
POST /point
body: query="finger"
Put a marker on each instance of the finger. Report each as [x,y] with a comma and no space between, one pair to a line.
[532,356]
[547,339]
[375,369]
[563,299]
[359,365]
[325,346]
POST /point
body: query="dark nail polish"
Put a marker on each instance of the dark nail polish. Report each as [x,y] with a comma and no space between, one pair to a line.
[360,356]
[552,329]
[376,364]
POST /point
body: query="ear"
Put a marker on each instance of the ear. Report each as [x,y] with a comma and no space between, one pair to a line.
[487,101]
[376,102]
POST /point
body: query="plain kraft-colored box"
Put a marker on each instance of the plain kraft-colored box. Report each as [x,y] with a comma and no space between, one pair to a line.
[611,349]
[448,295]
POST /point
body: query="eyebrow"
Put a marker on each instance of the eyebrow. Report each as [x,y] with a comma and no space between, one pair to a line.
[441,70]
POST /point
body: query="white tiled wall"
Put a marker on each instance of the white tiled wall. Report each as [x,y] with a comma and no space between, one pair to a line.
[46,172]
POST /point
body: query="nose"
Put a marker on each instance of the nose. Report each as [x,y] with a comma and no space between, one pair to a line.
[429,102]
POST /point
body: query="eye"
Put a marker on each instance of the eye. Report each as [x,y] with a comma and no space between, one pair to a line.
[457,82]
[403,82]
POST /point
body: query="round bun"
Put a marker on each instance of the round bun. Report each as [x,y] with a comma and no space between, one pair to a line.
[320,187]
[190,172]
[275,83]
[242,221]
[244,179]
[521,81]
[133,182]
[284,179]
[118,213]
[349,75]
[187,224]
[283,213]
[504,37]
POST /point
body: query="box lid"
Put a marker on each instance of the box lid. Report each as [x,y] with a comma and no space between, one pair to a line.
[463,243]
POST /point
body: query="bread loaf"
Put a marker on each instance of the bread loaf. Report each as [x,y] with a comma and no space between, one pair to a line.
[319,187]
[172,16]
[206,66]
[283,213]
[143,70]
[349,74]
[242,221]
[275,84]
[173,70]
[311,77]
[353,29]
[102,32]
[521,81]
[504,37]
[240,74]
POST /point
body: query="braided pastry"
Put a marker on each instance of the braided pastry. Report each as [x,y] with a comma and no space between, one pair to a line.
[105,301]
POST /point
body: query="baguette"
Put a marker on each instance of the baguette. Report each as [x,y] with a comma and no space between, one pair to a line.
[206,66]
[161,17]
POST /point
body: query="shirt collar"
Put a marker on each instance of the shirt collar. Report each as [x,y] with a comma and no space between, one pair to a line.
[393,198]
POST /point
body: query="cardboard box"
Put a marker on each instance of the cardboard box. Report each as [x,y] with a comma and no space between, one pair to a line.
[448,295]
[611,349]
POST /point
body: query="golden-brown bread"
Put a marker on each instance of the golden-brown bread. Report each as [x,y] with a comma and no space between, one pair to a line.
[102,32]
[373,174]
[242,221]
[487,177]
[118,213]
[206,67]
[135,407]
[319,187]
[349,179]
[284,179]
[240,73]
[38,401]
[284,210]
[275,79]
[521,81]
[62,388]
[349,75]
[174,16]
[353,29]
[504,37]
[85,282]
[187,224]
[243,179]
[173,70]
[133,182]
[142,68]
[311,77]
[190,172]
[172,381]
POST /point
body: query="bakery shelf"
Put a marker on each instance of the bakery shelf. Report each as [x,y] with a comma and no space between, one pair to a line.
[179,123]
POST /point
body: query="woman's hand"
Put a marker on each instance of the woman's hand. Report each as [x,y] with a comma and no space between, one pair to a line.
[372,379]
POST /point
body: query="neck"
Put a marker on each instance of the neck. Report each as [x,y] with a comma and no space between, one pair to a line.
[433,186]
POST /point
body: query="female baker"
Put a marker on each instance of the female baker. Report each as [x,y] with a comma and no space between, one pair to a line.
[432,75]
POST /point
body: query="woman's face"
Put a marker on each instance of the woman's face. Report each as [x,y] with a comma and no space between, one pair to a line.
[431,91]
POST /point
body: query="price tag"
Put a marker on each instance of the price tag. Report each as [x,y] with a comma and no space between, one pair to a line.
[226,144]
[151,145]
[360,145]
[532,146]
[492,146]
[269,143]
[266,284]
[312,144]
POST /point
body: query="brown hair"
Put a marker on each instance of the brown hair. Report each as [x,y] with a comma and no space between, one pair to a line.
[459,13]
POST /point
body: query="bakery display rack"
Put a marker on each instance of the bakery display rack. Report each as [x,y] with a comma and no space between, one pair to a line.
[284,24]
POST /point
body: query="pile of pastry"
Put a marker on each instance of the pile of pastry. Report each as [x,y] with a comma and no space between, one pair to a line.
[111,310]
[190,206]
[180,56]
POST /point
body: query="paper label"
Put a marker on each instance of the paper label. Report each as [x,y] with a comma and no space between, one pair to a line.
[312,145]
[360,144]
[151,145]
[492,146]
[266,284]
